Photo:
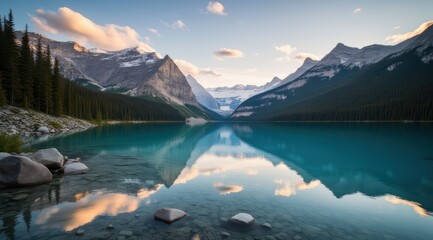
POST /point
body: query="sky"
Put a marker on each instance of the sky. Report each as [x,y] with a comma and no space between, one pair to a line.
[225,42]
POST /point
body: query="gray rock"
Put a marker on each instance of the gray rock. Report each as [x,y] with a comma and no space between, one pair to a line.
[43,129]
[110,226]
[266,225]
[51,158]
[20,196]
[169,215]
[79,232]
[127,233]
[74,168]
[297,237]
[3,155]
[225,234]
[244,218]
[21,171]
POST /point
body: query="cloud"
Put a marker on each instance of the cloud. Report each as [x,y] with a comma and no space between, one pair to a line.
[357,10]
[228,53]
[154,31]
[287,49]
[178,25]
[227,189]
[303,55]
[83,30]
[396,27]
[216,8]
[401,37]
[189,68]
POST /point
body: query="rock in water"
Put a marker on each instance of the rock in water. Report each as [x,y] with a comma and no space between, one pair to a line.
[74,168]
[195,121]
[21,171]
[3,155]
[169,215]
[267,225]
[51,158]
[43,130]
[244,218]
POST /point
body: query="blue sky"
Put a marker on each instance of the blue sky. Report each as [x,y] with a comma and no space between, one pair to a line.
[256,40]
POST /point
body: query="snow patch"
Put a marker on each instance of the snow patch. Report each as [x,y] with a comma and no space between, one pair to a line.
[272,95]
[242,114]
[393,66]
[427,58]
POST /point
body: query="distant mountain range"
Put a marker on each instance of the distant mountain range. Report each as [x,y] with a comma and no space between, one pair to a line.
[229,98]
[373,83]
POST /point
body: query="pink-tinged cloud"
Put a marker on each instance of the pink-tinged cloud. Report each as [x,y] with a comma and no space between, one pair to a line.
[189,68]
[228,53]
[216,8]
[401,37]
[83,30]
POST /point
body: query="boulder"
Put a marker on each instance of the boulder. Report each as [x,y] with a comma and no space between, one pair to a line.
[51,158]
[169,215]
[43,129]
[74,168]
[243,218]
[3,155]
[18,171]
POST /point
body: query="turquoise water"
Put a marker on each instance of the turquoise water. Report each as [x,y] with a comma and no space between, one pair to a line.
[309,181]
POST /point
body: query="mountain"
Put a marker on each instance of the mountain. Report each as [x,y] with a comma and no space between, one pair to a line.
[202,96]
[130,71]
[229,98]
[373,83]
[307,65]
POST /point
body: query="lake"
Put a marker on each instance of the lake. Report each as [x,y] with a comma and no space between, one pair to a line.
[308,180]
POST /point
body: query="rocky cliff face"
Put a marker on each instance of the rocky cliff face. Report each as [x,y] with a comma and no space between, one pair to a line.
[131,71]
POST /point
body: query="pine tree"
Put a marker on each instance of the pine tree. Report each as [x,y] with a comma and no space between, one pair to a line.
[38,77]
[2,47]
[11,78]
[25,67]
[47,87]
[56,89]
[2,94]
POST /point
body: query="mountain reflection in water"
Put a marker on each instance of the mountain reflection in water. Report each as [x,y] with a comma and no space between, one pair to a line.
[363,170]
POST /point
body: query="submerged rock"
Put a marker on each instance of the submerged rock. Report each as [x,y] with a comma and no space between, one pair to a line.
[79,232]
[74,168]
[51,158]
[225,234]
[21,171]
[266,225]
[243,218]
[169,215]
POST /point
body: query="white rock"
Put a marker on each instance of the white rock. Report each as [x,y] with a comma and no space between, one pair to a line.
[43,129]
[243,218]
[195,121]
[169,215]
[74,168]
[51,158]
